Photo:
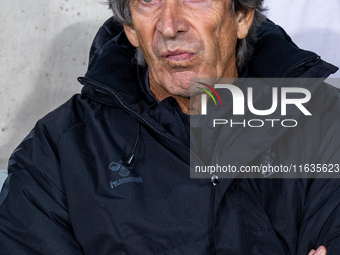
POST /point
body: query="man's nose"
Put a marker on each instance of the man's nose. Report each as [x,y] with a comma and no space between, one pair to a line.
[172,20]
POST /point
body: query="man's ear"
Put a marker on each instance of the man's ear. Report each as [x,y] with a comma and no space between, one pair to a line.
[131,35]
[244,21]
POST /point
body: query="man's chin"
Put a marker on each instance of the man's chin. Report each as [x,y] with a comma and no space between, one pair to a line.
[190,93]
[184,94]
[178,84]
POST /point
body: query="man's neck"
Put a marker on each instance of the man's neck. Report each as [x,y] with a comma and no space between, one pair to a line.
[160,94]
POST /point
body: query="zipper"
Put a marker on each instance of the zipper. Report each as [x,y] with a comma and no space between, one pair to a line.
[95,84]
[303,62]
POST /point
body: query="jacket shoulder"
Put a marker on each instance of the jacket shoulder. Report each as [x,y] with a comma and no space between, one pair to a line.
[57,122]
[38,153]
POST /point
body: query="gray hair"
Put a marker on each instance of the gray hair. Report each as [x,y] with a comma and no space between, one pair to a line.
[244,48]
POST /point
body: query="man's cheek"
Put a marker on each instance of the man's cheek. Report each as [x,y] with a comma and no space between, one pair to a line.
[157,45]
[210,54]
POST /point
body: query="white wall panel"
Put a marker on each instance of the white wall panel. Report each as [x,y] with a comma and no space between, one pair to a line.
[312,24]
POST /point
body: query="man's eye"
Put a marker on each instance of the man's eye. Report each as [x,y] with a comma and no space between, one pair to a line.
[151,3]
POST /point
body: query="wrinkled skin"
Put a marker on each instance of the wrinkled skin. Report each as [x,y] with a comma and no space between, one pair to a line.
[183,39]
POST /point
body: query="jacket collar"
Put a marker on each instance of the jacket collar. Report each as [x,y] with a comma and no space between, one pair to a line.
[277,56]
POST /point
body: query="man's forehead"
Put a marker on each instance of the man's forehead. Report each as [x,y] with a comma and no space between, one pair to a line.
[182,1]
[189,5]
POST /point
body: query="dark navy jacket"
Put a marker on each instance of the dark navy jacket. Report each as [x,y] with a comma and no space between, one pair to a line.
[71,189]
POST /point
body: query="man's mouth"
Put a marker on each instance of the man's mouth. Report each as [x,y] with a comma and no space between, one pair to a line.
[178,55]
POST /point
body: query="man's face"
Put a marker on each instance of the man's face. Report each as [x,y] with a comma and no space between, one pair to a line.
[183,39]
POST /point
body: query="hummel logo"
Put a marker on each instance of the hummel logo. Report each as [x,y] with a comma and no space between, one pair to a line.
[123,170]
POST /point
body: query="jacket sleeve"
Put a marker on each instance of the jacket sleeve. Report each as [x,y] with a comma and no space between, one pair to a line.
[34,216]
[320,223]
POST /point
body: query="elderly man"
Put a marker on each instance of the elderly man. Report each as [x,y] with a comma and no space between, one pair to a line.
[108,171]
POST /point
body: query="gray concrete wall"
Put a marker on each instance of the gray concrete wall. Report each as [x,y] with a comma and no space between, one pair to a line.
[44,47]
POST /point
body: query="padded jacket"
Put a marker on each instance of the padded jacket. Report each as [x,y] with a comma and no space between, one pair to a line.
[108,171]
